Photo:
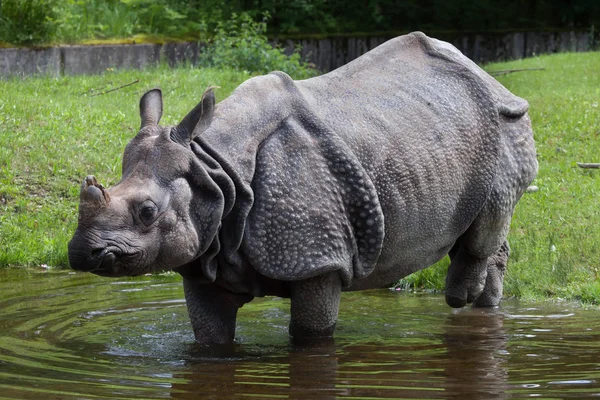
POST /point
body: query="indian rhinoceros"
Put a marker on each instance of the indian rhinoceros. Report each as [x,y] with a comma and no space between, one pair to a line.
[303,189]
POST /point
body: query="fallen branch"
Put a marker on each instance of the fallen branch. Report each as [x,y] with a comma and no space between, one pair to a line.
[588,165]
[117,88]
[91,90]
[510,71]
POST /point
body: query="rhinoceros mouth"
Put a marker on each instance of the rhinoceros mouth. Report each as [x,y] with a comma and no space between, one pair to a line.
[107,264]
[114,262]
[105,258]
[100,260]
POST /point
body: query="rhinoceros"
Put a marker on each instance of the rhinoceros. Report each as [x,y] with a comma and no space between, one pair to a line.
[303,189]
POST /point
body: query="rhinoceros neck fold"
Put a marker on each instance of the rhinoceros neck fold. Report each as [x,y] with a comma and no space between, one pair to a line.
[236,198]
[228,151]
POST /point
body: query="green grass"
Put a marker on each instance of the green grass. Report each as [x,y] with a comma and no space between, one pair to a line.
[555,233]
[53,132]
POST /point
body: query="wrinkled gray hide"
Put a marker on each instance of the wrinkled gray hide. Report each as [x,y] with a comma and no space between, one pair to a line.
[302,189]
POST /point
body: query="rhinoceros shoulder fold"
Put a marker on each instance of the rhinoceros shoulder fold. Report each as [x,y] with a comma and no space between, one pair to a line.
[315,210]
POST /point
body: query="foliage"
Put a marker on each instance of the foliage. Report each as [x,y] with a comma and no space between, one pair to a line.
[241,43]
[69,21]
[27,21]
[101,19]
[323,16]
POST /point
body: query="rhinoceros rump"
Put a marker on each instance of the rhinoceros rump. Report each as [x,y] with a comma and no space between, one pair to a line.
[302,189]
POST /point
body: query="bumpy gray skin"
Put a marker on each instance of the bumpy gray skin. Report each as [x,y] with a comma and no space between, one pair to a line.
[302,189]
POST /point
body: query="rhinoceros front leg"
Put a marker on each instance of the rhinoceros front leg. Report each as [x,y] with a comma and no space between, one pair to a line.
[212,311]
[314,306]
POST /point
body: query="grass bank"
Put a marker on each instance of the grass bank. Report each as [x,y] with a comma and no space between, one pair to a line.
[53,132]
[555,232]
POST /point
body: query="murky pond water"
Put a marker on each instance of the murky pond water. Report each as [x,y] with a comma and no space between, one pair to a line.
[77,336]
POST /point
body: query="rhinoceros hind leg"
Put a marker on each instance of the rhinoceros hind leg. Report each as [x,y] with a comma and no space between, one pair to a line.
[492,292]
[466,277]
[314,306]
[478,261]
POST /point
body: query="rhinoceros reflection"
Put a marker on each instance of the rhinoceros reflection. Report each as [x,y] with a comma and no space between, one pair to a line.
[474,365]
[306,372]
[464,362]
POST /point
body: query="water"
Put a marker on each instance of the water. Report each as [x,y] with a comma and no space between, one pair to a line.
[77,336]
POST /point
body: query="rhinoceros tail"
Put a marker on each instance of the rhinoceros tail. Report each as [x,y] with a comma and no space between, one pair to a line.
[515,107]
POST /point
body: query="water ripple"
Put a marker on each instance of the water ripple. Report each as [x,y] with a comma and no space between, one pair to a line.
[76,336]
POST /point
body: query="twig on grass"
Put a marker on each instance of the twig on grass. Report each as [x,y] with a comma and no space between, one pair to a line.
[117,88]
[510,71]
[588,165]
[91,90]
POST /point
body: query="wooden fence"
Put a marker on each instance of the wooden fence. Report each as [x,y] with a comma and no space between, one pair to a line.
[330,53]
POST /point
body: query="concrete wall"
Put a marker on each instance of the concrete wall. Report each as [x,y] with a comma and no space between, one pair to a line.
[77,60]
[24,62]
[97,59]
[326,54]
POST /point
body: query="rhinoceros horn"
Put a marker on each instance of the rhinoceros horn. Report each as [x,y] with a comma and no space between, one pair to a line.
[92,193]
[151,107]
[197,120]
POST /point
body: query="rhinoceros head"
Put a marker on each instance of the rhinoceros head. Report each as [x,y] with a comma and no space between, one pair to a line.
[144,222]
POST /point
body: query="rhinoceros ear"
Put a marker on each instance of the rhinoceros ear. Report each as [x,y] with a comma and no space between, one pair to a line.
[197,120]
[151,107]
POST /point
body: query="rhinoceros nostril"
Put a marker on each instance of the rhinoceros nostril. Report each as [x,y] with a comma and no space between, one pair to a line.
[107,261]
[98,253]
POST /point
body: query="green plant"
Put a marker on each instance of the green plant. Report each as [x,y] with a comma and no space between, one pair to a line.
[107,19]
[25,22]
[241,43]
[163,17]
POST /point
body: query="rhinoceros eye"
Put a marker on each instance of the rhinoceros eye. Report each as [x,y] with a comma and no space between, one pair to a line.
[148,211]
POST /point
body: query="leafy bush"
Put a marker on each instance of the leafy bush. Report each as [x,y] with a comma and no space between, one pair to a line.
[241,43]
[27,21]
[101,19]
[173,18]
[95,19]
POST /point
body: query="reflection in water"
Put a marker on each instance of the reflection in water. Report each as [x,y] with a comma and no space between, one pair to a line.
[302,373]
[79,336]
[476,342]
[466,364]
